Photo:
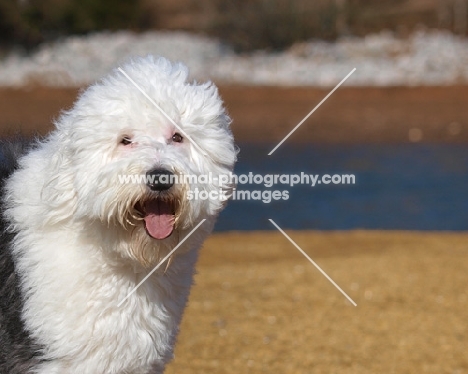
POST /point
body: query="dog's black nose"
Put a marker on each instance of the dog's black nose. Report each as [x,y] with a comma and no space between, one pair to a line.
[159,179]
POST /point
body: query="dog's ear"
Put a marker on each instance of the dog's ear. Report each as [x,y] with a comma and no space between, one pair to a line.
[58,193]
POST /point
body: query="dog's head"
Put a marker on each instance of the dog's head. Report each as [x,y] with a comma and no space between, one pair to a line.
[132,150]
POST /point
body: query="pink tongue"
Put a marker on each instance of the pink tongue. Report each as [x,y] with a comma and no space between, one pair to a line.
[159,219]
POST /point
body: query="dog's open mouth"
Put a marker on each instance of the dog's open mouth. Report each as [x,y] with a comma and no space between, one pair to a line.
[159,217]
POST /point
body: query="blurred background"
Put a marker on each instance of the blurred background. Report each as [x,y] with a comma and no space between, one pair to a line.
[274,60]
[246,24]
[399,124]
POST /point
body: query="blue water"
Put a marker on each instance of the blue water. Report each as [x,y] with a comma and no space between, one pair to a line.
[408,187]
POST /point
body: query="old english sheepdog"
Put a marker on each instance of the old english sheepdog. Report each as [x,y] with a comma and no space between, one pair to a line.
[77,238]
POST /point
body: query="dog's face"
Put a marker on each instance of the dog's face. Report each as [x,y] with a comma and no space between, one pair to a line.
[128,158]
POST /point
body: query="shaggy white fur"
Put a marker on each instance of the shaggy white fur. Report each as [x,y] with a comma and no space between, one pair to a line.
[83,239]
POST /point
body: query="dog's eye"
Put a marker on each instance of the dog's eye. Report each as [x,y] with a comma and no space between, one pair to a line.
[177,138]
[126,140]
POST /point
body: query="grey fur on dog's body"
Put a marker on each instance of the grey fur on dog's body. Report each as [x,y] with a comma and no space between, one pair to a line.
[17,352]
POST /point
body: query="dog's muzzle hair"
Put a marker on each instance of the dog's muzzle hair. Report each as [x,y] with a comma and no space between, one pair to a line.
[154,216]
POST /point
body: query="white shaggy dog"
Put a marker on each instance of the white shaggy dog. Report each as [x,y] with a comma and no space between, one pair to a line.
[77,240]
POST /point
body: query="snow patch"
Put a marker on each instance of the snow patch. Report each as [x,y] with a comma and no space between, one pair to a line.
[425,58]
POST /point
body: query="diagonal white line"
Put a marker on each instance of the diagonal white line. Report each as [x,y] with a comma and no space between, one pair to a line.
[313,262]
[162,261]
[311,112]
[162,111]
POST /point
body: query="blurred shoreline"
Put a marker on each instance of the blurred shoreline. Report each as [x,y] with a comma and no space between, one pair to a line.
[423,58]
[266,114]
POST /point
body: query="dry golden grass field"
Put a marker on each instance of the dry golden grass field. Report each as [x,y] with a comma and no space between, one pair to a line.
[258,306]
